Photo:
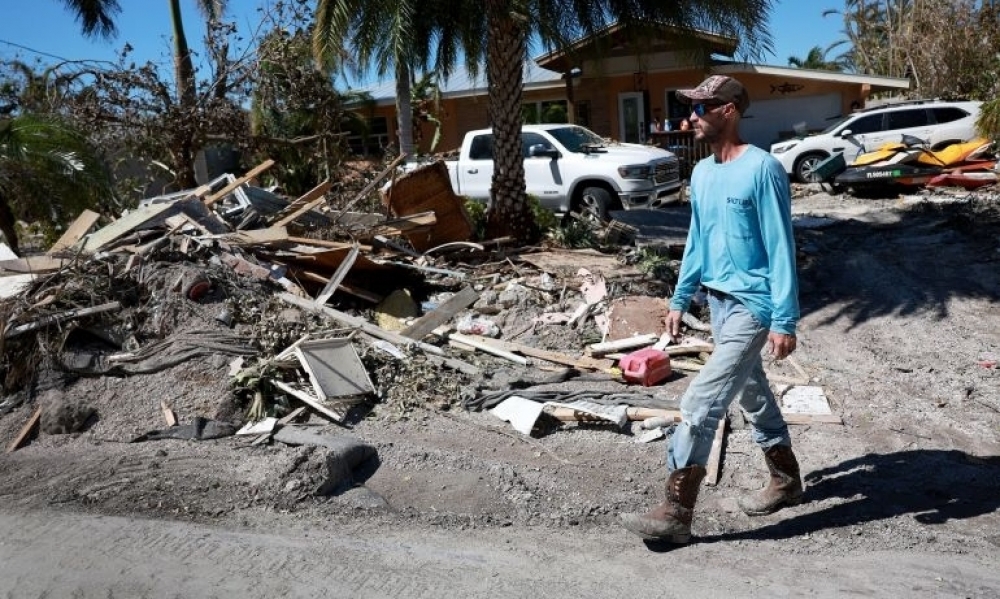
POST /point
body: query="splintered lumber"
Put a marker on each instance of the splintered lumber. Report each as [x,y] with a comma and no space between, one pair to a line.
[688,348]
[260,168]
[442,314]
[610,347]
[429,188]
[640,413]
[309,400]
[51,319]
[486,347]
[25,431]
[312,198]
[403,225]
[338,276]
[33,265]
[434,353]
[715,455]
[584,362]
[80,227]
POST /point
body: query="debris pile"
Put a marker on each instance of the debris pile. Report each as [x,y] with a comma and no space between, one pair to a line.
[290,310]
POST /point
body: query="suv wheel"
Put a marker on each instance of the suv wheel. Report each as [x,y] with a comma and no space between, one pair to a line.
[806,165]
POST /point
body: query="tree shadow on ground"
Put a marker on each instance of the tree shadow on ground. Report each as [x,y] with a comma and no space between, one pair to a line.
[933,486]
[920,261]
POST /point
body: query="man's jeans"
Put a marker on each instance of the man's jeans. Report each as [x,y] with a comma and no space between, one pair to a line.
[734,368]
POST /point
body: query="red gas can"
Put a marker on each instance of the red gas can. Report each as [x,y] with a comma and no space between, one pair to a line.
[645,366]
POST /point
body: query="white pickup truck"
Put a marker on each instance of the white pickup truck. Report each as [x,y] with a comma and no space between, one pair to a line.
[568,167]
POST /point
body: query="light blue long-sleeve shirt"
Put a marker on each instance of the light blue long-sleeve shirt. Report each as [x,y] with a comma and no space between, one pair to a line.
[740,241]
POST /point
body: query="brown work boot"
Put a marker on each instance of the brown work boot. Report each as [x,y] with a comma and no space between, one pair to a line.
[783,488]
[671,520]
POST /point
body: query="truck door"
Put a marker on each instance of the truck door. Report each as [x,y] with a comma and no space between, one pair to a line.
[542,174]
[475,174]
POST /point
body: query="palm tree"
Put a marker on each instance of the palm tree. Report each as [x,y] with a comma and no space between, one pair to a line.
[816,60]
[96,16]
[388,29]
[402,36]
[48,172]
[511,23]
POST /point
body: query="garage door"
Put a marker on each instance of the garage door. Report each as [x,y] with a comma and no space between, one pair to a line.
[766,120]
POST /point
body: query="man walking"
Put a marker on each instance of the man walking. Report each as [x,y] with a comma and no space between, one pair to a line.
[741,248]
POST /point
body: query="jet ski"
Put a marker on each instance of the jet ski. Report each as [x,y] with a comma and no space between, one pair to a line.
[911,163]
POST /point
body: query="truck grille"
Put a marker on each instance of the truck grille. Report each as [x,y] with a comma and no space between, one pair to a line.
[667,171]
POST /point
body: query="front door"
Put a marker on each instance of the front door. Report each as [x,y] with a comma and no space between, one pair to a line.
[631,122]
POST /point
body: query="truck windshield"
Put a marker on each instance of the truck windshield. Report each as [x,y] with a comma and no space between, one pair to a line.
[576,139]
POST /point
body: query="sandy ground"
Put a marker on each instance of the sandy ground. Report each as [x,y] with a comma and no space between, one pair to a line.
[901,328]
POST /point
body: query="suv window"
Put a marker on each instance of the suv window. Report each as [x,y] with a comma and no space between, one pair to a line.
[866,124]
[481,148]
[904,119]
[947,114]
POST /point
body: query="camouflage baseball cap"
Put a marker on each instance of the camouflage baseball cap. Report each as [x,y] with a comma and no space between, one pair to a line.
[720,89]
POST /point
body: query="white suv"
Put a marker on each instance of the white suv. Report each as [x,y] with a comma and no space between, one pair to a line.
[938,122]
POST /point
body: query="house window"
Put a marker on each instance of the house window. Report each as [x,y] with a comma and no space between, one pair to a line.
[372,140]
[550,111]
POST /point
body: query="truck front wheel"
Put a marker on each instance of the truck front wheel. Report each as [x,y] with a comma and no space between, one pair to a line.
[594,203]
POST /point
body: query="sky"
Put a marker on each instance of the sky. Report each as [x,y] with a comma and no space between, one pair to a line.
[45,29]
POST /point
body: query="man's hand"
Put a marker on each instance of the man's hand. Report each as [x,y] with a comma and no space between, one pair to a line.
[674,324]
[779,345]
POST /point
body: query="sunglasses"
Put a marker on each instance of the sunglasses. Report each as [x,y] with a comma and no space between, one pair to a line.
[701,108]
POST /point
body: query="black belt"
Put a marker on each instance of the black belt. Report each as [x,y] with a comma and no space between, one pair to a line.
[718,294]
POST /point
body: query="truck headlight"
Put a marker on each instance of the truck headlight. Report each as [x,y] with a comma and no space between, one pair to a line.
[635,171]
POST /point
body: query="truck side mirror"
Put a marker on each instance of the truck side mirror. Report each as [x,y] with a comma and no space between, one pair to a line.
[542,150]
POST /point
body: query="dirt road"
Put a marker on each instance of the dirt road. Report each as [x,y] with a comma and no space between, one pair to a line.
[60,554]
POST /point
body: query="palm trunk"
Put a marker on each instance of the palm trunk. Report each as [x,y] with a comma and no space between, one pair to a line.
[404,107]
[183,149]
[509,213]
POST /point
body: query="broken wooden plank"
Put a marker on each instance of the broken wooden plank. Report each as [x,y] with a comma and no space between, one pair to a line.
[168,414]
[358,323]
[25,431]
[715,455]
[51,319]
[640,413]
[585,362]
[309,400]
[260,168]
[266,236]
[33,265]
[429,188]
[80,227]
[323,243]
[610,347]
[442,314]
[338,276]
[404,224]
[312,198]
[490,349]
